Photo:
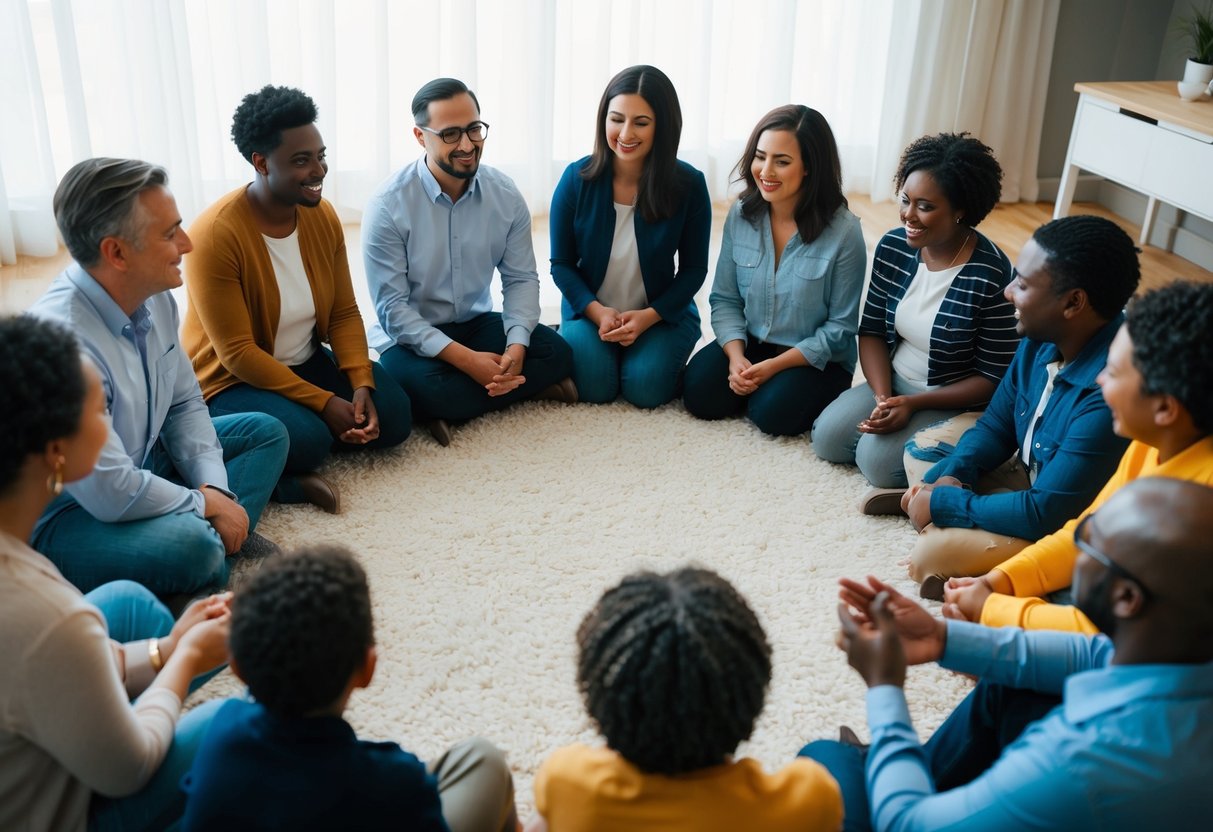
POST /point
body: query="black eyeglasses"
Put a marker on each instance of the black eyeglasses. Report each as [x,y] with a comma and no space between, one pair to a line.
[1103,560]
[477,131]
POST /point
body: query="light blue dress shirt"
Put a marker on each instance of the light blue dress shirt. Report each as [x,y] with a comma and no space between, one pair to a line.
[811,302]
[1129,748]
[430,261]
[152,396]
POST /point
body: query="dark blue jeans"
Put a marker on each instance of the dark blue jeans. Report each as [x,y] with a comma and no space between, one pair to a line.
[311,440]
[440,391]
[786,405]
[965,746]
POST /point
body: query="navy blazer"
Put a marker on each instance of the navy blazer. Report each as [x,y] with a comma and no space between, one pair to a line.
[582,224]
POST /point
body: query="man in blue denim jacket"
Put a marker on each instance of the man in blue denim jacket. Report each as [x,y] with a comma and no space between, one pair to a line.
[1045,446]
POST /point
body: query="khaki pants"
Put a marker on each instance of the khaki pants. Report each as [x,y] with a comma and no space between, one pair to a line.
[475,787]
[954,552]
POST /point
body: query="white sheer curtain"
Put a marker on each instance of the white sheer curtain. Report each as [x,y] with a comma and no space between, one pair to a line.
[159,80]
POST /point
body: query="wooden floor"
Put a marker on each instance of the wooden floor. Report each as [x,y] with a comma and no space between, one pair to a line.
[1009,226]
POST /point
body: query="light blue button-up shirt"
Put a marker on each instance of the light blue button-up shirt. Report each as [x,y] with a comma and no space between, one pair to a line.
[152,396]
[1129,748]
[430,261]
[811,302]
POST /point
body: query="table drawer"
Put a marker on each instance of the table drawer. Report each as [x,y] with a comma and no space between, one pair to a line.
[1112,144]
[1180,170]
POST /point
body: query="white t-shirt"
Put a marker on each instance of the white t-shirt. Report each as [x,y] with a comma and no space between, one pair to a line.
[915,318]
[1025,452]
[623,286]
[293,342]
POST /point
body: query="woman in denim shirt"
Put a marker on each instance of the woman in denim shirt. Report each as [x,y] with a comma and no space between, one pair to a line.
[785,300]
[936,334]
[619,217]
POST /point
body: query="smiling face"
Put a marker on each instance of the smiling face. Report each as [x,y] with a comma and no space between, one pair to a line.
[460,160]
[296,168]
[1122,386]
[926,213]
[152,263]
[630,128]
[1039,311]
[778,168]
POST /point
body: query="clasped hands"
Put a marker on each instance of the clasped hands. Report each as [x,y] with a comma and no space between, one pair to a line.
[882,631]
[891,414]
[355,422]
[916,502]
[623,328]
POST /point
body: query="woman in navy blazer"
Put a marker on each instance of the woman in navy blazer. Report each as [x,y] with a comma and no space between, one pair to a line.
[619,217]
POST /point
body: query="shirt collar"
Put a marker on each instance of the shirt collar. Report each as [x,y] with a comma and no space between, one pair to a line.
[111,313]
[1089,363]
[433,190]
[1096,692]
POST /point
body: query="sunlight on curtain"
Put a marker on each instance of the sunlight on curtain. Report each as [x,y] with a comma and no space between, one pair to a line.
[159,79]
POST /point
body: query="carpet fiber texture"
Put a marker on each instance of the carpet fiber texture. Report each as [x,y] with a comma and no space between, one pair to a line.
[484,556]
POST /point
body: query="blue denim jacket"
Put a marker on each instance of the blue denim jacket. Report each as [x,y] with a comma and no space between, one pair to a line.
[811,302]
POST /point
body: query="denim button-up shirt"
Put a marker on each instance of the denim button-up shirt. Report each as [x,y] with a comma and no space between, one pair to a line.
[1128,748]
[811,302]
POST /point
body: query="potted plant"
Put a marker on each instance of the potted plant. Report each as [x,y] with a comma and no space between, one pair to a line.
[1196,33]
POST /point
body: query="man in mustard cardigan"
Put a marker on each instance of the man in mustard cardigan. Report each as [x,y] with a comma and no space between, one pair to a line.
[269,287]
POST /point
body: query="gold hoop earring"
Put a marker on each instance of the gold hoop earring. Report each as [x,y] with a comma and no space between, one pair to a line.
[54,483]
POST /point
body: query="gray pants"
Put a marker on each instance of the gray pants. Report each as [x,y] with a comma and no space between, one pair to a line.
[475,787]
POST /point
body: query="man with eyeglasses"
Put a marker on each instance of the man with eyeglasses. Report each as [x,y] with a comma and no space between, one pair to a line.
[1158,383]
[1064,731]
[432,235]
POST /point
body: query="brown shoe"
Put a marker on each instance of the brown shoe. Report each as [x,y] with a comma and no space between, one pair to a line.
[932,587]
[320,492]
[882,501]
[848,737]
[564,391]
[440,429]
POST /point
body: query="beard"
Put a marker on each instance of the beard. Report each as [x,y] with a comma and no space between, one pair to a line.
[1096,603]
[445,164]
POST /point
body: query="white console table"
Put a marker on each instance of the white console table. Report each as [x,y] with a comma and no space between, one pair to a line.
[1141,134]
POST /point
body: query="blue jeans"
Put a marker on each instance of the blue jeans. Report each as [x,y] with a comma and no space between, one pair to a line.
[968,743]
[132,613]
[172,553]
[646,373]
[440,391]
[785,405]
[836,436]
[311,440]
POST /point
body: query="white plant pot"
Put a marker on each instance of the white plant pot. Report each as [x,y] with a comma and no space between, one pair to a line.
[1195,73]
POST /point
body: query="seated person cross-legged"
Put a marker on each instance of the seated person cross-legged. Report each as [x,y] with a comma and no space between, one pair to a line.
[674,670]
[432,236]
[1158,383]
[936,333]
[1064,731]
[176,491]
[92,733]
[785,298]
[619,218]
[303,641]
[268,286]
[1045,445]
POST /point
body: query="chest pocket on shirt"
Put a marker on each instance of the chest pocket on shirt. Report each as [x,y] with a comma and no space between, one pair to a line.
[745,259]
[807,288]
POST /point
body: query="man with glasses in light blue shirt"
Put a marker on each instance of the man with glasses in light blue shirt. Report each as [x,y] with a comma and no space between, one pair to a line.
[432,235]
[1064,731]
[174,493]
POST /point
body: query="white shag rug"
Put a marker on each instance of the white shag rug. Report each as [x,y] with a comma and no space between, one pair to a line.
[484,556]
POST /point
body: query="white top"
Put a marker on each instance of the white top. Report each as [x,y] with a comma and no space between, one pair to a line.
[623,286]
[293,342]
[915,318]
[1026,452]
[67,726]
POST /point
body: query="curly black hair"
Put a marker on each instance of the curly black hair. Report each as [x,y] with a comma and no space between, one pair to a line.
[301,628]
[262,116]
[1172,333]
[964,168]
[1092,254]
[674,669]
[41,390]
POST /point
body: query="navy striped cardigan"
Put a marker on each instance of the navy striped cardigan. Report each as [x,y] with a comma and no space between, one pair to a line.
[975,328]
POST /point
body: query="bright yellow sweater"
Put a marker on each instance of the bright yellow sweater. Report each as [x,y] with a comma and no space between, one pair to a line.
[1048,564]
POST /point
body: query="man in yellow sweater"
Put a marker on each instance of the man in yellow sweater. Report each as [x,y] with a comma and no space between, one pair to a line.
[1158,383]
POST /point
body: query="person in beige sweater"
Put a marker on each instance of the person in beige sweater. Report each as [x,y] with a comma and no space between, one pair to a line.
[75,752]
[269,287]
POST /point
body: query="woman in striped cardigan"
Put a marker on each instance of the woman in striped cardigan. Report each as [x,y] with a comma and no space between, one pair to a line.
[936,333]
